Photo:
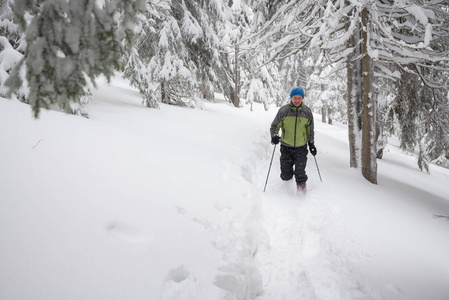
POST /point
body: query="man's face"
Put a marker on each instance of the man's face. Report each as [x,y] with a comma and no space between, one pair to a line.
[297,100]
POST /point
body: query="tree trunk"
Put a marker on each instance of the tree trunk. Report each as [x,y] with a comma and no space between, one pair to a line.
[323,104]
[163,93]
[236,78]
[323,114]
[379,136]
[379,133]
[369,163]
[353,100]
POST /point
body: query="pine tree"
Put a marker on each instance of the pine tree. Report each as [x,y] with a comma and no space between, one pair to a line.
[231,69]
[176,54]
[9,58]
[144,48]
[326,92]
[7,27]
[10,53]
[68,45]
[260,82]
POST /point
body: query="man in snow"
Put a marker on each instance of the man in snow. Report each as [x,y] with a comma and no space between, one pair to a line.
[296,122]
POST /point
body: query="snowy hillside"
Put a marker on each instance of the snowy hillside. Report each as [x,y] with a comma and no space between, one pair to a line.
[137,203]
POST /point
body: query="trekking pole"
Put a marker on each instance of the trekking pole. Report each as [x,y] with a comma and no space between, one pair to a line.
[269,168]
[318,169]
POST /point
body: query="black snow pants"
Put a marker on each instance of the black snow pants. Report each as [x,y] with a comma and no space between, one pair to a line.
[296,156]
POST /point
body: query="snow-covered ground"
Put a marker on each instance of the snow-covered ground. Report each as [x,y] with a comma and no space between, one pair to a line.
[137,203]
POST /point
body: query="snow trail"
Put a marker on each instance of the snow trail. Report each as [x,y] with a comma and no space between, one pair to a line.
[289,244]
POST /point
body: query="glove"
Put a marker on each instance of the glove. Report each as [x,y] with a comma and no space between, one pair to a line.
[275,139]
[312,149]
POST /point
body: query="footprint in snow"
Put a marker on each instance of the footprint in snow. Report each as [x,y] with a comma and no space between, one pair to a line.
[178,275]
[126,233]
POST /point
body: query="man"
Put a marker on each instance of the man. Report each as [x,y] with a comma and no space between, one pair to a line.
[295,120]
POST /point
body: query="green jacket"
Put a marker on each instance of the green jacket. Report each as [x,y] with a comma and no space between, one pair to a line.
[296,124]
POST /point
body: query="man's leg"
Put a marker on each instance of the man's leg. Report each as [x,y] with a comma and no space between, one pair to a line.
[287,161]
[300,158]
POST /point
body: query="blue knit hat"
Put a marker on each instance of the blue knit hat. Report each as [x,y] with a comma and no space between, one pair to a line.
[297,91]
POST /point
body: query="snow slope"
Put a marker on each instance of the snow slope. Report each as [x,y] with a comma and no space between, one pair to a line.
[137,203]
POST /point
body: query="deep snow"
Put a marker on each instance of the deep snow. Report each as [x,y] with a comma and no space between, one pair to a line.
[137,203]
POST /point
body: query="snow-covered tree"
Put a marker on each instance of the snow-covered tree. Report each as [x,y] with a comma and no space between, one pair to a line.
[418,115]
[261,82]
[144,47]
[69,44]
[9,58]
[195,48]
[8,28]
[264,80]
[176,52]
[327,91]
[234,69]
[10,50]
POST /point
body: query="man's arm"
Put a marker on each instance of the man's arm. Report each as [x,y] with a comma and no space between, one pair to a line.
[311,128]
[274,128]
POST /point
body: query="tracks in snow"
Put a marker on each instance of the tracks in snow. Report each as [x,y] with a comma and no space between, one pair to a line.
[278,245]
[294,247]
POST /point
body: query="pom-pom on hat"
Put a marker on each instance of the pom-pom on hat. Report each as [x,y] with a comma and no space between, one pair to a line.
[297,91]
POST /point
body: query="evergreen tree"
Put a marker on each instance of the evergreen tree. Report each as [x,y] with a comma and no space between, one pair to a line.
[144,48]
[327,90]
[189,49]
[9,58]
[418,115]
[10,53]
[259,82]
[176,52]
[68,45]
[7,27]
